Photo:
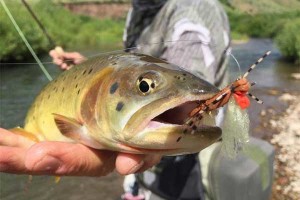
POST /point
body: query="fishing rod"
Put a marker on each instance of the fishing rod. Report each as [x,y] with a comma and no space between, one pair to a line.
[36,19]
[56,47]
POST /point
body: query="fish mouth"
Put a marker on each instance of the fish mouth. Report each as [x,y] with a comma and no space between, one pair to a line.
[174,116]
[169,112]
[165,125]
[178,115]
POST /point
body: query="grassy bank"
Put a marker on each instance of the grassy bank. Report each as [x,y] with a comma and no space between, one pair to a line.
[270,21]
[68,30]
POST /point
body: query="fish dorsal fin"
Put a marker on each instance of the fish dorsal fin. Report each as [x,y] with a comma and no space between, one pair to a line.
[75,130]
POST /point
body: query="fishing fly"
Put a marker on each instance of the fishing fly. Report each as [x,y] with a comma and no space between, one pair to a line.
[239,89]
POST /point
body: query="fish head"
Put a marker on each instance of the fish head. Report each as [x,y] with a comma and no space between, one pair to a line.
[148,103]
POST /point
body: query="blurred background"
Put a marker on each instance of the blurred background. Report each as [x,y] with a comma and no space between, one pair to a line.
[94,26]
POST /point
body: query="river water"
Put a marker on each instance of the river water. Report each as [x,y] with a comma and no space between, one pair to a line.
[19,84]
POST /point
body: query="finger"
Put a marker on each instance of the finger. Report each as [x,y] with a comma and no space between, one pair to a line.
[64,66]
[12,160]
[57,61]
[129,163]
[59,158]
[75,57]
[150,161]
[53,54]
[78,61]
[8,138]
[72,55]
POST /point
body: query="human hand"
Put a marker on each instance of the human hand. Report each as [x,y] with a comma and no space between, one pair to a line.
[65,60]
[20,155]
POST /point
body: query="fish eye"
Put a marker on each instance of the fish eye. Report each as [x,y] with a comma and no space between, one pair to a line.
[145,85]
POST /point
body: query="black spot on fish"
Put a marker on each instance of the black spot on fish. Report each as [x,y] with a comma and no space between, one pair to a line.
[84,72]
[90,71]
[185,131]
[183,79]
[199,117]
[114,88]
[194,127]
[114,63]
[78,91]
[152,85]
[76,85]
[184,74]
[119,106]
[178,139]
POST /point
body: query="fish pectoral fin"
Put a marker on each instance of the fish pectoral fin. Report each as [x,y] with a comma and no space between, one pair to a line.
[23,132]
[76,131]
[69,127]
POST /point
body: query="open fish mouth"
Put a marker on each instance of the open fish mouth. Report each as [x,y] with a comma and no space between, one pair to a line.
[161,127]
[166,131]
[178,115]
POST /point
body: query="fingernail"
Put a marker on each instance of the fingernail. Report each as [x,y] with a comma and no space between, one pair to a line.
[48,163]
[136,167]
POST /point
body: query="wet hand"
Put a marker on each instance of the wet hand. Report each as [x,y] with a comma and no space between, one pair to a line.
[65,60]
[22,156]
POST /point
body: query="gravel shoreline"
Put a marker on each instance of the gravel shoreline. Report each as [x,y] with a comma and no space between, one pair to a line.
[287,143]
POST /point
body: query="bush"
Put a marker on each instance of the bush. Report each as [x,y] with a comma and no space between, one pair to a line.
[260,25]
[285,27]
[288,40]
[67,30]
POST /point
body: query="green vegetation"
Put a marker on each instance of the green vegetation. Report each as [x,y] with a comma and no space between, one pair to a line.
[68,30]
[288,40]
[88,1]
[276,19]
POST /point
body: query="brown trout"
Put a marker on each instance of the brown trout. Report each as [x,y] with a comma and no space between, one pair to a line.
[123,102]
